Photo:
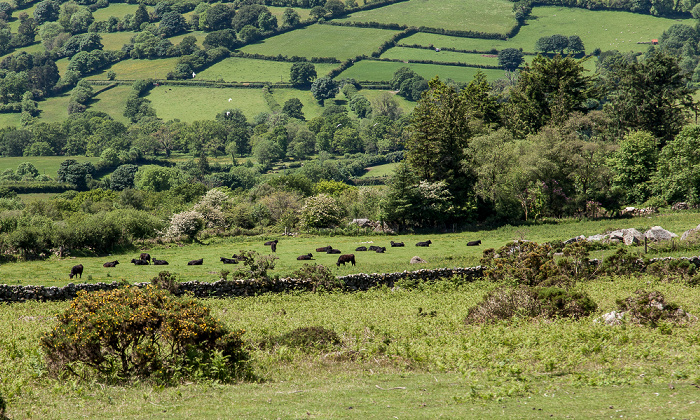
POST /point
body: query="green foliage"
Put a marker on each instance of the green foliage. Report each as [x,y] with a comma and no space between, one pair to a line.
[256,266]
[324,88]
[510,58]
[634,163]
[320,276]
[677,176]
[305,339]
[622,262]
[132,333]
[650,308]
[522,262]
[165,280]
[321,211]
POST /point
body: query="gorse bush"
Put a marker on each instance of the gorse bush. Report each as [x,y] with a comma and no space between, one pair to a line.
[651,308]
[530,302]
[523,262]
[132,333]
[321,277]
[165,280]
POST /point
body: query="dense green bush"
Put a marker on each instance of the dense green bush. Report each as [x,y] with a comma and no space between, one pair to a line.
[131,333]
[321,277]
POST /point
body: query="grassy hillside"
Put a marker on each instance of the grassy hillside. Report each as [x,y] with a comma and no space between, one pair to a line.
[201,103]
[44,164]
[238,69]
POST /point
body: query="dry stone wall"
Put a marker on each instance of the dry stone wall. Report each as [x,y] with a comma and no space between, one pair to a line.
[237,288]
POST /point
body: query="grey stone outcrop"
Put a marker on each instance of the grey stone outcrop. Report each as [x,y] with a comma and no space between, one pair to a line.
[657,233]
[690,232]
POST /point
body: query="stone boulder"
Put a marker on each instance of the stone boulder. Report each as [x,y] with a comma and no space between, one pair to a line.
[616,236]
[576,239]
[657,233]
[632,236]
[611,318]
[597,238]
[690,232]
[418,260]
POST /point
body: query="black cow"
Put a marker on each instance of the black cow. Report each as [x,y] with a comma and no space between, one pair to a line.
[145,257]
[77,270]
[397,244]
[139,262]
[474,243]
[361,248]
[426,243]
[268,243]
[159,262]
[110,264]
[324,249]
[347,258]
[305,257]
[373,247]
[229,260]
[333,251]
[196,262]
[381,250]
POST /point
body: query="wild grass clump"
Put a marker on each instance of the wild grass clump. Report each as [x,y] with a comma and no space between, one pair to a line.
[320,276]
[305,338]
[131,333]
[528,302]
[650,308]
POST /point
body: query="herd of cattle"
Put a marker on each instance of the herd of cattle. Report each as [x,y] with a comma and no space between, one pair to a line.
[145,259]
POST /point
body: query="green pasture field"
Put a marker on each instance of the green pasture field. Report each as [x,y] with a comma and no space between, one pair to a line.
[311,107]
[34,197]
[44,164]
[607,30]
[14,22]
[200,35]
[118,10]
[403,53]
[10,119]
[55,108]
[279,12]
[236,69]
[371,94]
[493,16]
[380,170]
[29,49]
[448,250]
[384,71]
[394,363]
[112,102]
[200,103]
[139,69]
[322,41]
[114,41]
[62,65]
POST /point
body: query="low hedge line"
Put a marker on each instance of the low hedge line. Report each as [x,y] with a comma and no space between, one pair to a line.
[29,187]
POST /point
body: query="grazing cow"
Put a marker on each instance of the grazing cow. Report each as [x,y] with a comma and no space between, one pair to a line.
[139,262]
[110,264]
[373,247]
[274,246]
[426,243]
[397,244]
[159,262]
[333,251]
[347,258]
[145,257]
[77,270]
[381,250]
[196,262]
[474,243]
[305,257]
[268,243]
[361,248]
[324,249]
[229,260]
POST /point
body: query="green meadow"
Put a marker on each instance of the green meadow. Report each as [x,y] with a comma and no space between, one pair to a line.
[376,71]
[54,108]
[311,107]
[493,16]
[380,170]
[113,102]
[200,35]
[200,103]
[114,41]
[44,164]
[132,69]
[322,41]
[236,69]
[118,10]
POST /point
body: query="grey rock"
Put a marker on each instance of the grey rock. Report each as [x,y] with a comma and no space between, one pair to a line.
[418,260]
[632,236]
[657,233]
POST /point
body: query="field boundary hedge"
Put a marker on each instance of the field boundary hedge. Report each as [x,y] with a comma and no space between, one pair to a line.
[439,63]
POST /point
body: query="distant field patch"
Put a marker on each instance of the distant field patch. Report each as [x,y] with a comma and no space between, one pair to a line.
[198,103]
[54,108]
[112,102]
[380,170]
[402,53]
[322,41]
[139,69]
[237,69]
[384,71]
[8,119]
[602,29]
[493,16]
[200,35]
[279,12]
[311,107]
[114,41]
[44,164]
[117,10]
[371,94]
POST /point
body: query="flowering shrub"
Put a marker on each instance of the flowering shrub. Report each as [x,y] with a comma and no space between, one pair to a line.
[321,211]
[142,333]
[211,206]
[187,223]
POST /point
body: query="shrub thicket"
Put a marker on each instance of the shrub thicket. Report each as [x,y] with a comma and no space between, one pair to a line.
[321,277]
[131,333]
[650,308]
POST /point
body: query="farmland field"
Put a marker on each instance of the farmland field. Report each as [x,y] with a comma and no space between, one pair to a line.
[380,170]
[329,41]
[384,71]
[198,103]
[112,102]
[114,41]
[606,30]
[493,16]
[10,119]
[279,12]
[44,164]
[118,10]
[442,56]
[54,108]
[237,69]
[139,69]
[311,107]
[200,35]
